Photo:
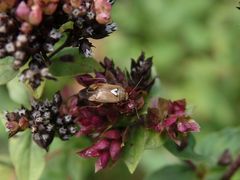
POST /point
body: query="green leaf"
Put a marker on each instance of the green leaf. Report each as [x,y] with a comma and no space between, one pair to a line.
[6,172]
[173,172]
[27,157]
[134,148]
[69,62]
[186,153]
[39,91]
[51,87]
[18,92]
[6,71]
[139,140]
[67,26]
[63,162]
[214,144]
[6,103]
[61,41]
[154,140]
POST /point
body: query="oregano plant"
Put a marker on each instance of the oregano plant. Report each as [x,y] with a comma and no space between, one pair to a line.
[113,115]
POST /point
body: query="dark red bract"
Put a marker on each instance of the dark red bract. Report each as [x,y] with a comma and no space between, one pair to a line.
[170,117]
[106,149]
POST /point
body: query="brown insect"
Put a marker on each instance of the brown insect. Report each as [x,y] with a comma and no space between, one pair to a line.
[106,93]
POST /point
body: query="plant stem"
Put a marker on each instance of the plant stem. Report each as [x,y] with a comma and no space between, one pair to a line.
[191,164]
[61,47]
[234,166]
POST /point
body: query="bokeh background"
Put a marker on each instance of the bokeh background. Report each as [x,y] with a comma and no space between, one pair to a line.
[195,48]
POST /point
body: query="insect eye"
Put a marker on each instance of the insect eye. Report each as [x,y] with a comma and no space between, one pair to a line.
[115,92]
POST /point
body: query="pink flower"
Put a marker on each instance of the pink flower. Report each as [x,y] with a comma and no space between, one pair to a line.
[105,149]
[35,16]
[23,11]
[115,150]
[188,126]
[103,10]
[102,161]
[102,144]
[112,134]
[89,152]
[169,121]
[170,117]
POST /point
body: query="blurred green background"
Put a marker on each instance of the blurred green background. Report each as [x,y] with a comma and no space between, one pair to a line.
[195,47]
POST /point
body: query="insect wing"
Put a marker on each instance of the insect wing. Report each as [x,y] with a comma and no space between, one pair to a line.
[104,93]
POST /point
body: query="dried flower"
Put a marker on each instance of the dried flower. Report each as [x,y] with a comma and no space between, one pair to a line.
[16,121]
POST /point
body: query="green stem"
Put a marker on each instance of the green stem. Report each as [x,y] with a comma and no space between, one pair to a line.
[66,43]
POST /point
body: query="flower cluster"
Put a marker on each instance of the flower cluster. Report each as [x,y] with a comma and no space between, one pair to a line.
[108,96]
[23,24]
[109,146]
[128,89]
[171,117]
[44,120]
[104,111]
[36,71]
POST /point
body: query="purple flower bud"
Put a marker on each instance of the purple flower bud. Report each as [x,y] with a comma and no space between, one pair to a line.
[169,121]
[13,127]
[194,126]
[89,152]
[177,107]
[115,150]
[102,144]
[188,126]
[112,134]
[26,28]
[23,11]
[85,122]
[74,111]
[102,161]
[182,127]
[72,102]
[35,16]
[103,10]
[97,121]
[87,80]
[50,8]
[103,18]
[159,127]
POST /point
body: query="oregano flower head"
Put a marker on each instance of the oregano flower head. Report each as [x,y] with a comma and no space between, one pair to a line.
[23,24]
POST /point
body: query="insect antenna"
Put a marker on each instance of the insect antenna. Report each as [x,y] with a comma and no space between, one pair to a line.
[101,79]
[135,86]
